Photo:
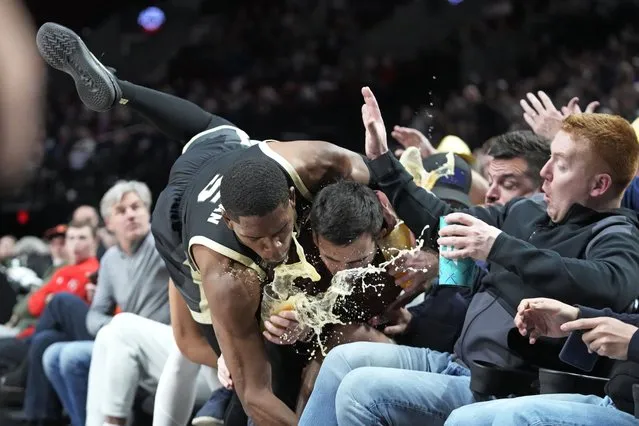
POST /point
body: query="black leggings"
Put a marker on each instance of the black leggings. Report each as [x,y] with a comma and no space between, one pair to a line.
[177,118]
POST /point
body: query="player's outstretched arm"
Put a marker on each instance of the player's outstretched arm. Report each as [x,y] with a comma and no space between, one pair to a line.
[320,163]
[188,337]
[233,294]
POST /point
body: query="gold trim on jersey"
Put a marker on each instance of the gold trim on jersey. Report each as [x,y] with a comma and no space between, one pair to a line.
[204,316]
[241,134]
[297,180]
[224,251]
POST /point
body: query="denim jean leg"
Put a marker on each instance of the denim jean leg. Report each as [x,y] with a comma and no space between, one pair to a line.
[373,395]
[41,401]
[66,313]
[51,365]
[543,410]
[343,359]
[75,361]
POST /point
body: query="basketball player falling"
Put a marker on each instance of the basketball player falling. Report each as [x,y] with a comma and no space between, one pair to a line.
[220,257]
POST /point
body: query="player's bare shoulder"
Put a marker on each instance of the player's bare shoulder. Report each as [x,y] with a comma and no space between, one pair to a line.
[228,274]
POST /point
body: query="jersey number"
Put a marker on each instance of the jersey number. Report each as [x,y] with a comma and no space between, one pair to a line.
[211,193]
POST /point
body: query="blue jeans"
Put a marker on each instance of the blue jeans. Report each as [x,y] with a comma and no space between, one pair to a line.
[63,319]
[543,410]
[376,383]
[40,401]
[66,365]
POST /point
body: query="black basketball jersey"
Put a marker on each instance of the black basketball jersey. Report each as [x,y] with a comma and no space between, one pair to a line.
[201,213]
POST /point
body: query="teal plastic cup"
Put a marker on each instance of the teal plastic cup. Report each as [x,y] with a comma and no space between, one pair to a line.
[456,272]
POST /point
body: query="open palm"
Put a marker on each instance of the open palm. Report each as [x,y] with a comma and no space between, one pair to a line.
[376,143]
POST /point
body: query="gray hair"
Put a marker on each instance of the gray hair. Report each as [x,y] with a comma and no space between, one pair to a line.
[119,190]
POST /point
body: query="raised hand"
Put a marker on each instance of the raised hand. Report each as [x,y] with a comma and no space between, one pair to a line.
[541,317]
[376,142]
[541,115]
[574,108]
[408,137]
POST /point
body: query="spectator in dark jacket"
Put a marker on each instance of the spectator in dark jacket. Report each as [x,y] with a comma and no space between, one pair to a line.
[604,332]
[572,243]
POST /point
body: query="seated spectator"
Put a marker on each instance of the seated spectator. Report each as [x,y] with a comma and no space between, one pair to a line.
[81,244]
[105,238]
[606,333]
[574,244]
[97,381]
[21,320]
[516,160]
[55,238]
[517,156]
[546,121]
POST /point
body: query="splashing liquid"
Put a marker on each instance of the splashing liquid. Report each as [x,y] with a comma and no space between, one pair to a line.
[400,238]
[318,311]
[411,159]
[314,312]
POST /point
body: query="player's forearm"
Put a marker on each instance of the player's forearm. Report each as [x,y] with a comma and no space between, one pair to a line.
[188,337]
[197,350]
[265,409]
[358,170]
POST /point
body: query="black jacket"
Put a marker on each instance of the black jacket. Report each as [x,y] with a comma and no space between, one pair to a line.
[589,258]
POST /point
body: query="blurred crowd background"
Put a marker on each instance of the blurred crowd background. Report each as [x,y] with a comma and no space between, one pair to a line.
[293,68]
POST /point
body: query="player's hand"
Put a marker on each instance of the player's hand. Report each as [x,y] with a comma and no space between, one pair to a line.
[541,317]
[223,374]
[607,336]
[400,318]
[408,137]
[284,329]
[48,298]
[470,237]
[376,143]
